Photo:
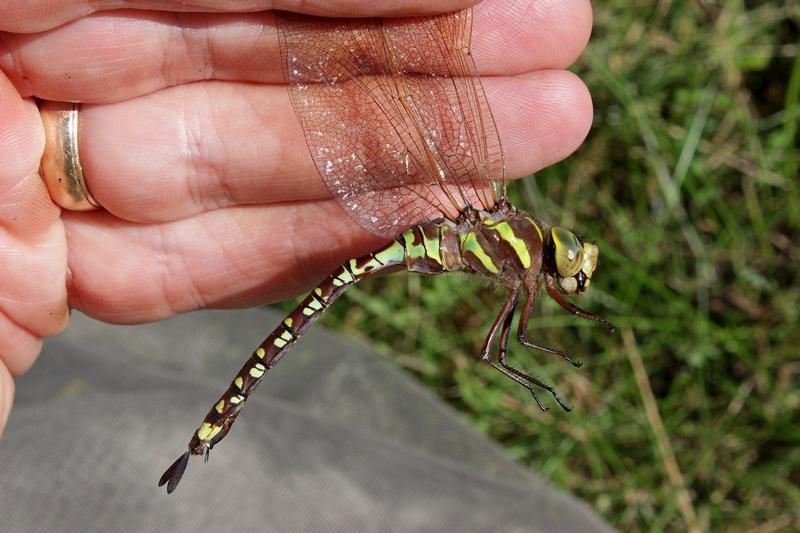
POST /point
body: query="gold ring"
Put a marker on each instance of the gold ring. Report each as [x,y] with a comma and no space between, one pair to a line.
[61,166]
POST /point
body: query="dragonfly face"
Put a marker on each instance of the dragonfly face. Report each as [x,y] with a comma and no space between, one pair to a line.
[571,260]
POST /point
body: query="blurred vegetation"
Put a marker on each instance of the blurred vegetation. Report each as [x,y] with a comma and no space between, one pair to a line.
[689,416]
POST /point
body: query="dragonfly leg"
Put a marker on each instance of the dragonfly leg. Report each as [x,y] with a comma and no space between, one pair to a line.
[523,326]
[502,352]
[529,382]
[503,324]
[507,371]
[550,284]
[520,377]
[503,321]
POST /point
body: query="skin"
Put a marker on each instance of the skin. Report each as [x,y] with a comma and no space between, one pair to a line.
[189,142]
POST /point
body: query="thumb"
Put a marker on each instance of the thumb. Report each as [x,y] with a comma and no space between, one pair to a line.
[6,395]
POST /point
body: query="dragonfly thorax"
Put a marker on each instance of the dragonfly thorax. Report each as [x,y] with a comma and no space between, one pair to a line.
[505,244]
[501,243]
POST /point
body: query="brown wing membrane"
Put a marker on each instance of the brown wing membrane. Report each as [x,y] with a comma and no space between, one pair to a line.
[394,115]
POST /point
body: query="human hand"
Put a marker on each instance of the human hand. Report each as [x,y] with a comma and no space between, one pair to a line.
[190,144]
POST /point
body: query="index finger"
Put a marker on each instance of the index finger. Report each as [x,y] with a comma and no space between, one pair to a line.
[24,16]
[121,55]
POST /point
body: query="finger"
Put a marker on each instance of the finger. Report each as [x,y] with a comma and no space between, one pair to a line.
[24,16]
[6,396]
[22,346]
[21,146]
[203,146]
[542,118]
[32,247]
[117,56]
[517,36]
[125,273]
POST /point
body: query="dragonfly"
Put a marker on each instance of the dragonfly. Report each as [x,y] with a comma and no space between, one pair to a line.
[400,130]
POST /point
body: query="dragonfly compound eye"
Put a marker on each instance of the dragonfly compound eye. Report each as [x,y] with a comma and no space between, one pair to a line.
[568,252]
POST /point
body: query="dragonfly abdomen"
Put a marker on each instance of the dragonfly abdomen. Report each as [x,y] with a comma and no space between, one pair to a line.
[433,248]
[283,337]
[222,415]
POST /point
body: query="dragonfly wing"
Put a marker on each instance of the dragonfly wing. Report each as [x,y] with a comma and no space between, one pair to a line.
[394,115]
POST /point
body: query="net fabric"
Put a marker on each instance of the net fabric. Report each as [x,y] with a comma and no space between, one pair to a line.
[102,412]
[394,116]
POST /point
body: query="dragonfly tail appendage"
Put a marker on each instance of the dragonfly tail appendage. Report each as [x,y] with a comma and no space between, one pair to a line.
[222,415]
[174,473]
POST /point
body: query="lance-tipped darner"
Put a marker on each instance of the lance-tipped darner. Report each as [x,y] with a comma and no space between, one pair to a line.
[400,130]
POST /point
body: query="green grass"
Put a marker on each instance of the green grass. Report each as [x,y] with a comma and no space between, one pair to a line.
[689,184]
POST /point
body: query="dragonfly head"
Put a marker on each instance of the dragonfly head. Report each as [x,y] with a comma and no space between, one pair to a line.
[572,260]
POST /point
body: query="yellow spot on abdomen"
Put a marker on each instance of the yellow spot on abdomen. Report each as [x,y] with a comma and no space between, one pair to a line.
[220,406]
[392,254]
[207,431]
[356,270]
[345,276]
[416,251]
[433,248]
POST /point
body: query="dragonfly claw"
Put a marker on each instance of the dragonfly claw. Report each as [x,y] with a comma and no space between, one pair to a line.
[542,406]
